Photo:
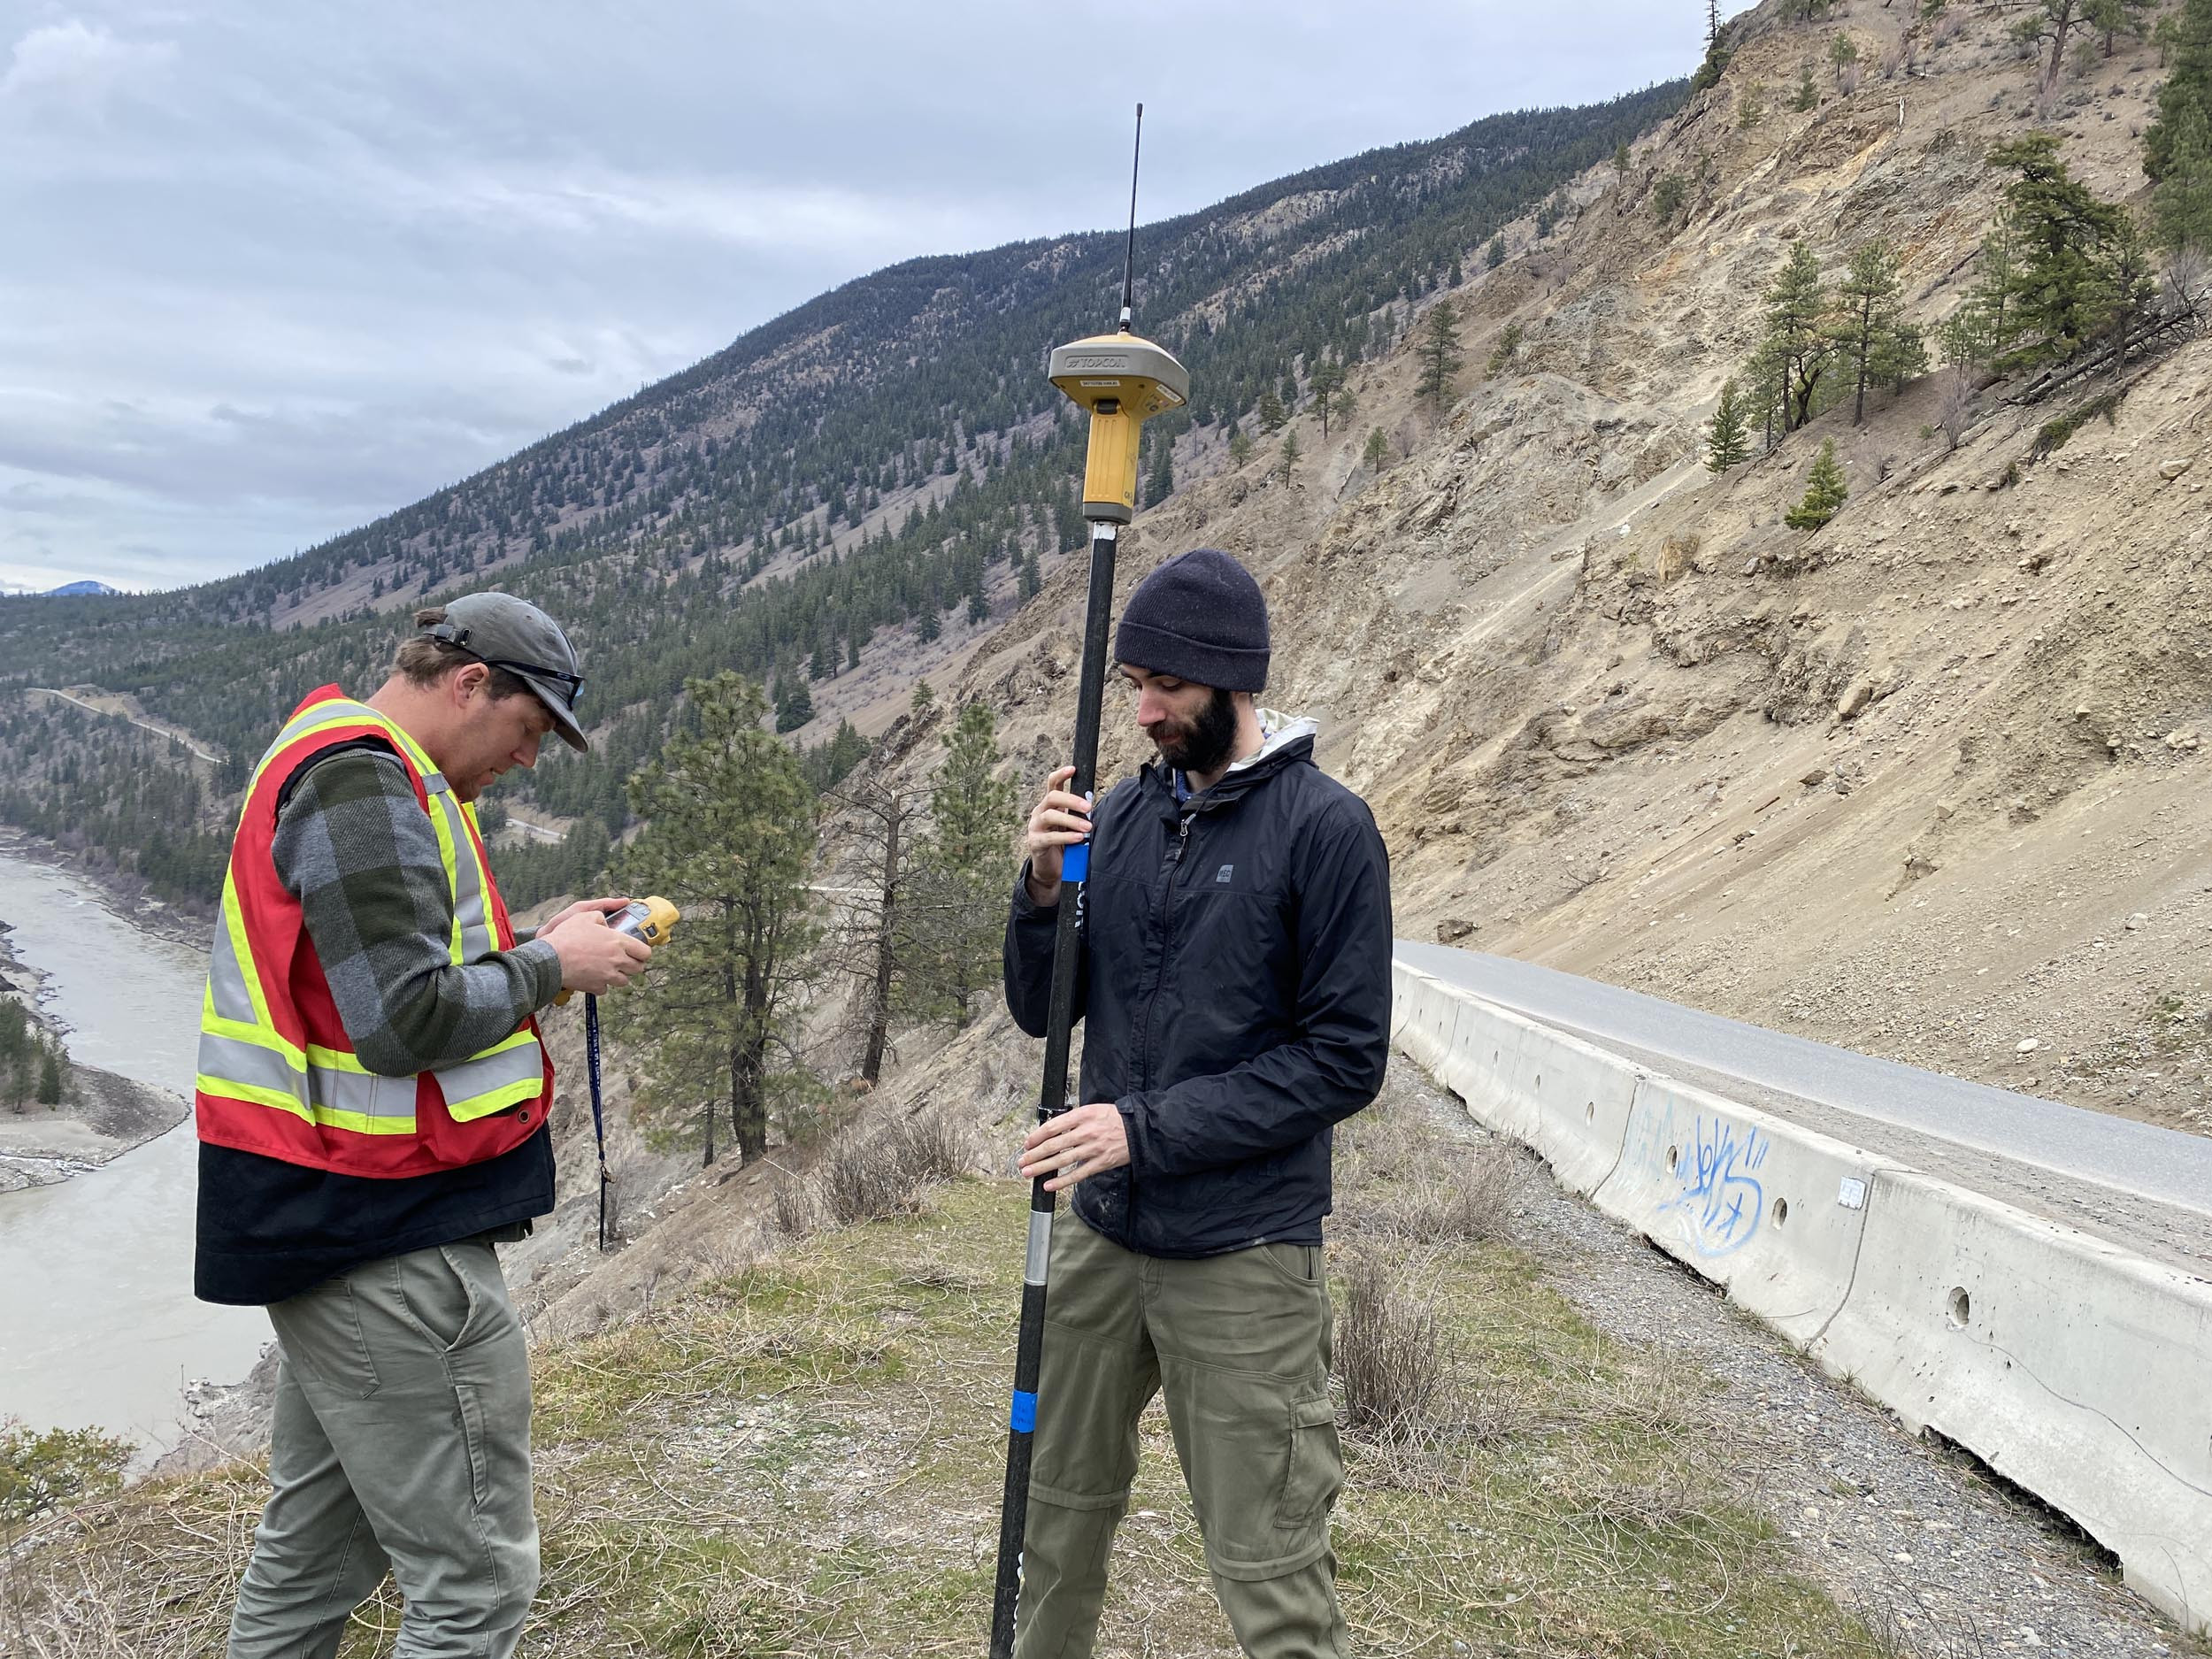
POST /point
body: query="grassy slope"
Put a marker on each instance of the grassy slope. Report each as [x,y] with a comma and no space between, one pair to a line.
[803,1458]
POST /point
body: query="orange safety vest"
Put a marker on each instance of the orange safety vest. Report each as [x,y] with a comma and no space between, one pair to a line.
[277,1073]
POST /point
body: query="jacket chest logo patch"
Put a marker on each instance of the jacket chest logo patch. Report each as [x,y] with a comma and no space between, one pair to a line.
[1222,875]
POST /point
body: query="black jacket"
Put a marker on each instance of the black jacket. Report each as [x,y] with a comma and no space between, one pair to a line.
[1235,987]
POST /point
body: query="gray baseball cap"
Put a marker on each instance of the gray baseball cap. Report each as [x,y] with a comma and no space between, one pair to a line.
[514,635]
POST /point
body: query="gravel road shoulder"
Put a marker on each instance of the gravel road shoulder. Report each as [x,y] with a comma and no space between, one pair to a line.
[1916,1537]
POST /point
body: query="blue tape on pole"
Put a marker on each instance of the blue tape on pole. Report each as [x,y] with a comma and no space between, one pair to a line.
[1024,1413]
[1075,864]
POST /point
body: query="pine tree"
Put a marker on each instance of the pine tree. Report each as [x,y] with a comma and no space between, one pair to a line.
[1326,379]
[878,936]
[1376,452]
[1509,343]
[1240,445]
[1494,256]
[964,861]
[2181,206]
[1440,353]
[2062,248]
[1160,483]
[1727,440]
[1825,492]
[1271,415]
[728,835]
[1287,459]
[2051,21]
[1797,350]
[1033,580]
[2187,88]
[795,703]
[49,1077]
[1877,344]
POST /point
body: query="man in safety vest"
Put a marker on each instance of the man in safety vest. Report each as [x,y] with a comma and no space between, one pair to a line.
[371,1106]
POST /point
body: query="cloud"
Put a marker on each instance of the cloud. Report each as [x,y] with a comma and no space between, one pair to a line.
[273,271]
[73,64]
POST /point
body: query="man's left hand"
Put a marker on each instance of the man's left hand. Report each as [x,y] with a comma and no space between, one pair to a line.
[1089,1140]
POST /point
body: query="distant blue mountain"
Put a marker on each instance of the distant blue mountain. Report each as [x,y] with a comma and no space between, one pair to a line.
[71,589]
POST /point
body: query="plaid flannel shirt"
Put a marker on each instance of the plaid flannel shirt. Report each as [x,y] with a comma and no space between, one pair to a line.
[356,847]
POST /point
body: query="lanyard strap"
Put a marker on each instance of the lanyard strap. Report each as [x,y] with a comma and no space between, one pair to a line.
[598,1116]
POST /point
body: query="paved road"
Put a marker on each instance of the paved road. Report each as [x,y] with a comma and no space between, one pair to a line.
[163,731]
[2162,1166]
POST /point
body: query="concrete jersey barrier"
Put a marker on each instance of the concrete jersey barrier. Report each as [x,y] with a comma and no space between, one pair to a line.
[2072,1367]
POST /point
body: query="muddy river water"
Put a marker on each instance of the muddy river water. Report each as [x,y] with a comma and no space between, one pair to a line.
[98,1326]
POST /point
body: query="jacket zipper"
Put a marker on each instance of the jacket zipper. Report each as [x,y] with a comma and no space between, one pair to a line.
[1167,939]
[1167,895]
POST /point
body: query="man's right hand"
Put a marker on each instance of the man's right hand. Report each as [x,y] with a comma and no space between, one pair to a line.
[1059,821]
[594,958]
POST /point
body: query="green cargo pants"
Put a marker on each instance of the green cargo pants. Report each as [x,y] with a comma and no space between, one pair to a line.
[401,1440]
[1240,1345]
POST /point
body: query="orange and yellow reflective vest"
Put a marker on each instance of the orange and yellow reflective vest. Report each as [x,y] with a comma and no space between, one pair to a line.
[277,1073]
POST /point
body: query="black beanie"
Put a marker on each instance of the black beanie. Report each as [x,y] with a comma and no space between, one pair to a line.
[1199,617]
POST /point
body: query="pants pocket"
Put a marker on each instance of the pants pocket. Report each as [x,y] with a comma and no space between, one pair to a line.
[434,1287]
[320,1333]
[1315,1473]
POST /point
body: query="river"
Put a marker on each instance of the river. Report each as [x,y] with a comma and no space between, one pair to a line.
[99,1327]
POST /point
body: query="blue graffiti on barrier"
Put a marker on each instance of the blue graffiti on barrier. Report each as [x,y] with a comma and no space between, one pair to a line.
[1717,1198]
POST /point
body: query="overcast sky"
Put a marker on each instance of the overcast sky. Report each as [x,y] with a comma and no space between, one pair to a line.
[270,271]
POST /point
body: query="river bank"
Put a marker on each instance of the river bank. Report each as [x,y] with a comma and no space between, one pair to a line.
[102,1114]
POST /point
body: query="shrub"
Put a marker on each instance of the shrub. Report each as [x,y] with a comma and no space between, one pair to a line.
[874,1177]
[43,1471]
[1389,1354]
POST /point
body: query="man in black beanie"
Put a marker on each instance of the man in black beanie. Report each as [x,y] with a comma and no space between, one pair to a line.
[1236,986]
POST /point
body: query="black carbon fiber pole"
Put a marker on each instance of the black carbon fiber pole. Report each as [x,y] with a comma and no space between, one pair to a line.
[1052,1099]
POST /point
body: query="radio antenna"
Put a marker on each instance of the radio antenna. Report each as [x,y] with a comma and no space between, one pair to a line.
[1129,265]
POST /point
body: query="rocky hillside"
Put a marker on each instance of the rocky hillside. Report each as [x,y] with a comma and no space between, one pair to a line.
[1926,782]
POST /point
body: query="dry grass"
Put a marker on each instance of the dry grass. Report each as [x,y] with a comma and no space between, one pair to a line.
[803,1458]
[1390,1356]
[1899,1632]
[877,1177]
[1482,1197]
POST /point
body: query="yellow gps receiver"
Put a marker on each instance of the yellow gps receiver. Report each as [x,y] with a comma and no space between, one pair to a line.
[1122,380]
[649,919]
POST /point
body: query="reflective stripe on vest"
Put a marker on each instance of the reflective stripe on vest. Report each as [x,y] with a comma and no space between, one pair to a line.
[244,1057]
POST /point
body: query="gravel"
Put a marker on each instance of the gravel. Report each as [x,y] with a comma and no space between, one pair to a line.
[1915,1535]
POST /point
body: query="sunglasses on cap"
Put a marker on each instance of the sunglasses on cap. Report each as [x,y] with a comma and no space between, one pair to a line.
[458,638]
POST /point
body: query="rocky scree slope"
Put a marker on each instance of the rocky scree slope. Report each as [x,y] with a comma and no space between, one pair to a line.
[1927,782]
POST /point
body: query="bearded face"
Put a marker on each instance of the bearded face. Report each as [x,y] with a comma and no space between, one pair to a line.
[1200,741]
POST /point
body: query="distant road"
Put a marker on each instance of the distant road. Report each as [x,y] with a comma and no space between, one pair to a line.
[2161,1166]
[173,736]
